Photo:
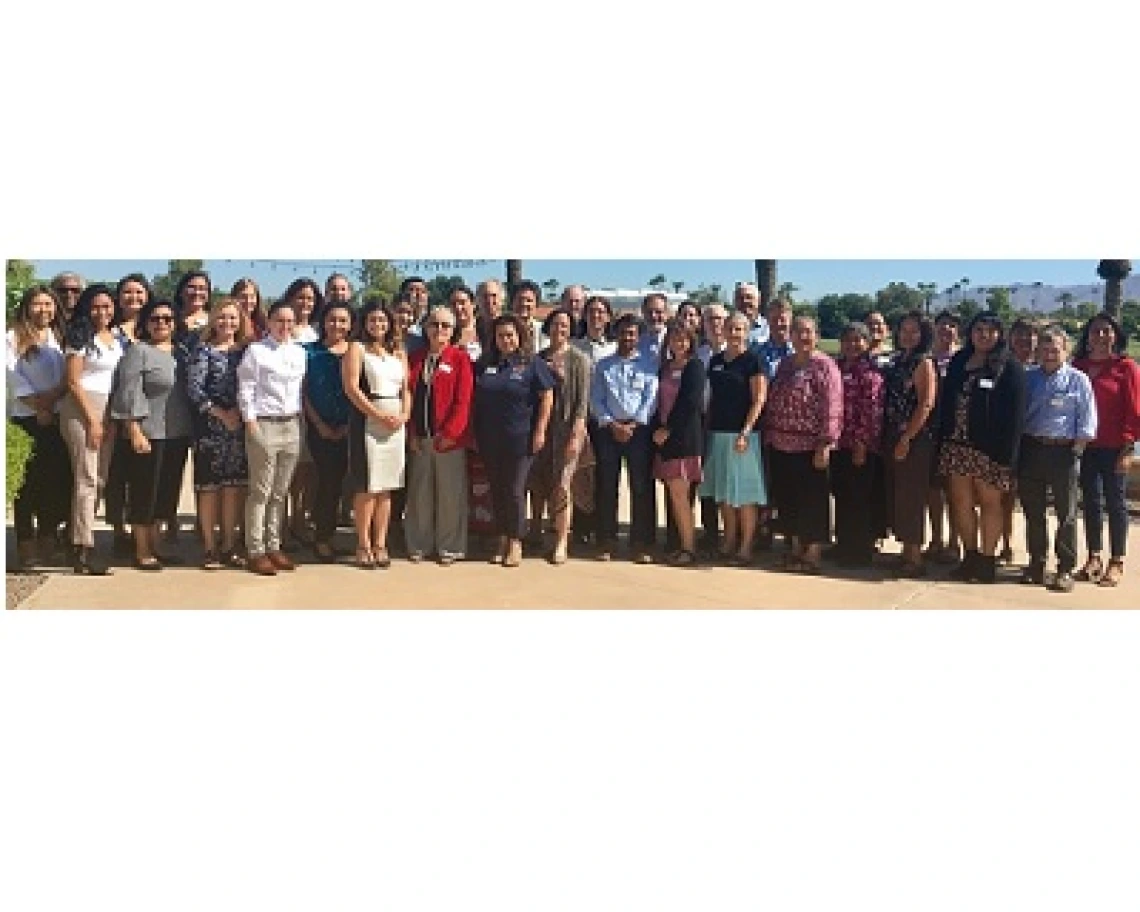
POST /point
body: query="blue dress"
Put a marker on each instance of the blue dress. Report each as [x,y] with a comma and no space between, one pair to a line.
[219,454]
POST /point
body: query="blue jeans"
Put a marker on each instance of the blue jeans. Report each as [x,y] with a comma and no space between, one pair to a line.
[1099,477]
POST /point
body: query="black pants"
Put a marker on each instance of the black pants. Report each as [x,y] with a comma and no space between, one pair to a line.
[508,463]
[801,492]
[330,458]
[115,493]
[1042,468]
[1099,475]
[637,454]
[879,517]
[154,480]
[44,499]
[851,485]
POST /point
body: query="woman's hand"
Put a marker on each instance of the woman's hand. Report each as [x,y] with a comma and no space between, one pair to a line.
[230,419]
[444,445]
[859,454]
[741,443]
[1124,461]
[820,458]
[139,443]
[660,436]
[95,432]
[538,441]
[902,449]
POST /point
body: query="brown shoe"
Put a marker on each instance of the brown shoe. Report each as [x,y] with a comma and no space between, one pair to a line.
[262,565]
[280,561]
[514,553]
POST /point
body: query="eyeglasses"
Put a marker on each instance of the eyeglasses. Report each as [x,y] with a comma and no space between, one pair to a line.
[70,289]
[161,318]
[435,324]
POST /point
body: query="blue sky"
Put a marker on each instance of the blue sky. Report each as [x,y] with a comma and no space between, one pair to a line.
[814,278]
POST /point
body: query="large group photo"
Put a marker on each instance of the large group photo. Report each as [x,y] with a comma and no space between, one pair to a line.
[267,417]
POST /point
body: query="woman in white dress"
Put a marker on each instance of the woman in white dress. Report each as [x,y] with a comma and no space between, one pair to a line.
[376,383]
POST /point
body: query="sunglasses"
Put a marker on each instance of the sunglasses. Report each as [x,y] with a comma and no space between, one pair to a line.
[161,318]
[435,324]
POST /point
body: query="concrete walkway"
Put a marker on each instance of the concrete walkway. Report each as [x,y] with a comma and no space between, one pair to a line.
[580,583]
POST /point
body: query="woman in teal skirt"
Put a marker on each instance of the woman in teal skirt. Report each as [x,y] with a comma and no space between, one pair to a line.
[733,470]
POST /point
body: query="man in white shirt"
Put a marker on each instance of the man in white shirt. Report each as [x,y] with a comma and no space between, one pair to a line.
[269,398]
[574,300]
[746,299]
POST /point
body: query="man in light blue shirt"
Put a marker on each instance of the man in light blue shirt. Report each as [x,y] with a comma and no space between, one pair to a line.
[778,345]
[623,397]
[1060,419]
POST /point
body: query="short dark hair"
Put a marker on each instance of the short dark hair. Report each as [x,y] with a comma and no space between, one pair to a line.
[549,321]
[948,316]
[142,327]
[409,282]
[527,285]
[627,319]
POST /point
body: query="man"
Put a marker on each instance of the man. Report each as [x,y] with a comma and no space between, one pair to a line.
[746,299]
[655,313]
[623,396]
[68,286]
[595,344]
[574,300]
[415,291]
[338,290]
[524,301]
[778,344]
[489,300]
[880,350]
[1060,419]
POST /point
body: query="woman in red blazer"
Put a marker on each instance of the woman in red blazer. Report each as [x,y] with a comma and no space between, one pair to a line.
[435,520]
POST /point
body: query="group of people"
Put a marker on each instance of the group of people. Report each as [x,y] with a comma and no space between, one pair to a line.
[473,417]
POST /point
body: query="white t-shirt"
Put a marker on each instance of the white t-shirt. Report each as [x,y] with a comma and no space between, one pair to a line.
[99,365]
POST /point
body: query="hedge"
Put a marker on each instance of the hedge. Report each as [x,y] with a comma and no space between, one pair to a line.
[19,451]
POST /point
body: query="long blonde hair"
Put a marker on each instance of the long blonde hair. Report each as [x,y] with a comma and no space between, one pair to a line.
[245,332]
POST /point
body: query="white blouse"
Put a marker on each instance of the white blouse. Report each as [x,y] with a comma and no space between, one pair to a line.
[32,373]
[99,365]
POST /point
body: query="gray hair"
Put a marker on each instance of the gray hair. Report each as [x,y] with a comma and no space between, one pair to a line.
[1056,332]
[859,328]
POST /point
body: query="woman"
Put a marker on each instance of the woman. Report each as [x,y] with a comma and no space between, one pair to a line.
[247,295]
[678,432]
[151,402]
[438,434]
[734,471]
[375,381]
[132,294]
[712,342]
[93,351]
[911,385]
[36,385]
[853,462]
[524,301]
[802,424]
[689,315]
[979,432]
[304,295]
[466,335]
[1107,459]
[944,547]
[552,472]
[221,468]
[514,398]
[327,411]
[403,320]
[270,376]
[192,300]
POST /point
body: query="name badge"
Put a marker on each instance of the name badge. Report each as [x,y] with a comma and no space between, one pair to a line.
[677,375]
[1057,402]
[986,383]
[491,370]
[516,374]
[718,367]
[446,368]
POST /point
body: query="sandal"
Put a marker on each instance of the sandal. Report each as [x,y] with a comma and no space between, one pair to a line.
[1092,571]
[210,561]
[1113,574]
[232,558]
[788,563]
[364,559]
[380,558]
[810,568]
[682,558]
[324,552]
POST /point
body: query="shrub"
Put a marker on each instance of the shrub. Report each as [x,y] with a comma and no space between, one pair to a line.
[19,451]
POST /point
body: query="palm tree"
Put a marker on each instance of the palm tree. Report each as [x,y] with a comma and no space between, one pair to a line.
[514,274]
[657,281]
[787,289]
[677,286]
[551,286]
[766,281]
[1114,272]
[928,289]
[1066,299]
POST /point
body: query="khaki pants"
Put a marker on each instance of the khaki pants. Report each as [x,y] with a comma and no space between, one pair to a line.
[272,452]
[88,466]
[436,512]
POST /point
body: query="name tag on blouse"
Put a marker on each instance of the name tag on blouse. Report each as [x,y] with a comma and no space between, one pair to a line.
[718,367]
[986,383]
[446,368]
[491,370]
[1057,402]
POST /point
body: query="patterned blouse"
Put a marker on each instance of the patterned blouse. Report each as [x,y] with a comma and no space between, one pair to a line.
[805,405]
[862,405]
[901,394]
[211,380]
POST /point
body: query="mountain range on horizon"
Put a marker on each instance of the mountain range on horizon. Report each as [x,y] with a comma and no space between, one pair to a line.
[1037,298]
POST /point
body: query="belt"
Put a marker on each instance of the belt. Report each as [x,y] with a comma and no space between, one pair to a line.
[375,396]
[278,417]
[1051,441]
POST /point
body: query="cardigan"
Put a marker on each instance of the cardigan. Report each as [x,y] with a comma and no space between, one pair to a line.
[686,430]
[997,407]
[451,394]
[573,400]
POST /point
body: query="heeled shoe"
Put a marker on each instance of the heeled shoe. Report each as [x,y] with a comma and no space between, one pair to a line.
[381,559]
[87,563]
[514,553]
[1092,571]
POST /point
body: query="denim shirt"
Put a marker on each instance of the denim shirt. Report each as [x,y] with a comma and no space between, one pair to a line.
[1060,404]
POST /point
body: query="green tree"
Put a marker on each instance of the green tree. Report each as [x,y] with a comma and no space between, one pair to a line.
[165,284]
[766,281]
[998,301]
[898,298]
[441,287]
[836,311]
[1130,319]
[1114,272]
[551,286]
[967,310]
[1066,300]
[378,279]
[19,275]
[707,294]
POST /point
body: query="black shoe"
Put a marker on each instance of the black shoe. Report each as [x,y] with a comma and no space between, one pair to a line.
[124,546]
[986,569]
[154,565]
[967,570]
[1063,582]
[1033,574]
[87,563]
[171,560]
[764,540]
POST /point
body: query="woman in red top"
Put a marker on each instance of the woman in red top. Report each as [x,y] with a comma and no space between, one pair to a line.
[1105,463]
[438,434]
